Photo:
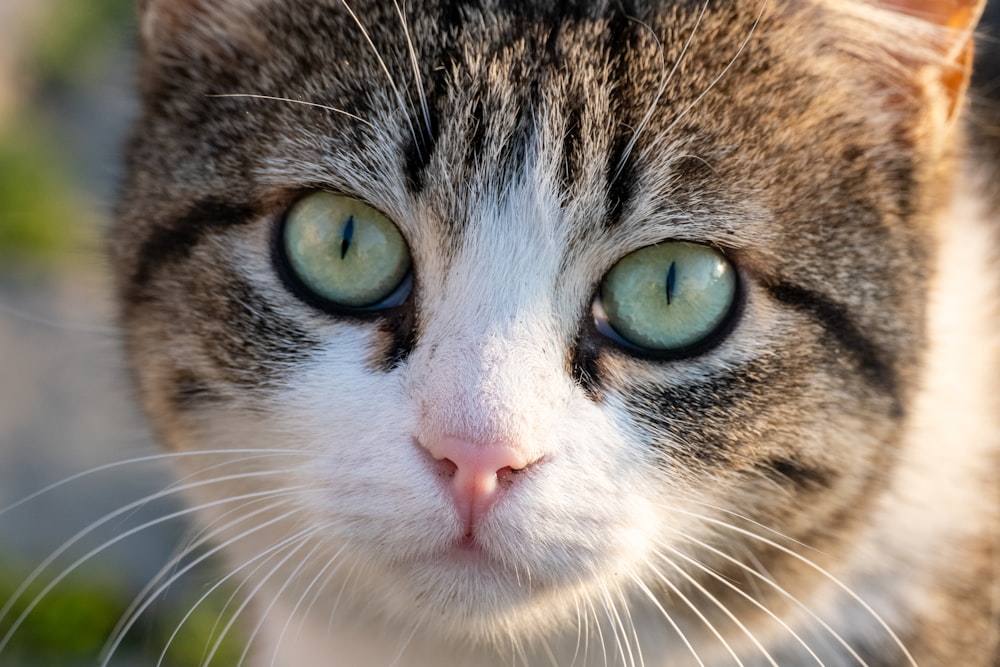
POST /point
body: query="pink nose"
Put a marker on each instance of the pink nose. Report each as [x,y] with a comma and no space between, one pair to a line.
[476,473]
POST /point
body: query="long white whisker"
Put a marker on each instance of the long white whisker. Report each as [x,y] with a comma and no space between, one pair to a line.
[43,321]
[281,590]
[205,536]
[115,641]
[247,599]
[611,611]
[80,535]
[291,100]
[145,459]
[627,627]
[817,568]
[826,626]
[221,582]
[664,82]
[392,83]
[722,607]
[725,70]
[416,70]
[315,586]
[694,608]
[581,625]
[718,577]
[402,649]
[597,625]
[670,619]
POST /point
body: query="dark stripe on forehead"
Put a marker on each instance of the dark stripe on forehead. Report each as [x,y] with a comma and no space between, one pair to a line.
[171,244]
[874,363]
[573,153]
[623,41]
[420,145]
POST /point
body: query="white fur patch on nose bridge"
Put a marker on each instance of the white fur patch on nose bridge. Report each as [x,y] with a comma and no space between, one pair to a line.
[491,387]
[488,364]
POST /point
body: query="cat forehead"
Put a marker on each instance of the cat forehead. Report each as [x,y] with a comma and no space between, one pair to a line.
[609,126]
[464,106]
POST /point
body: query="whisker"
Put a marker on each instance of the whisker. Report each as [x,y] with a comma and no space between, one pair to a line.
[115,641]
[722,607]
[146,459]
[820,570]
[548,652]
[321,579]
[621,641]
[766,579]
[670,619]
[218,584]
[33,576]
[725,70]
[247,599]
[281,590]
[721,579]
[340,594]
[402,649]
[76,564]
[580,630]
[43,321]
[273,98]
[629,633]
[664,82]
[392,83]
[694,608]
[597,626]
[205,536]
[416,70]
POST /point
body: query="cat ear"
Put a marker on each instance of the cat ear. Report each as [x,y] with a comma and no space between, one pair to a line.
[197,22]
[946,75]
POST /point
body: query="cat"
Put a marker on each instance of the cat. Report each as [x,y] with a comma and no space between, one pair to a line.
[511,332]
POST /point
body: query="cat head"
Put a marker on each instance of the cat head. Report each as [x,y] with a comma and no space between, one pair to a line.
[636,286]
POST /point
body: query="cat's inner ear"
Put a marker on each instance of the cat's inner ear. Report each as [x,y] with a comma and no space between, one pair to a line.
[947,76]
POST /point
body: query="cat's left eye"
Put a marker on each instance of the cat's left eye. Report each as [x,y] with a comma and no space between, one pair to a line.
[346,253]
[666,298]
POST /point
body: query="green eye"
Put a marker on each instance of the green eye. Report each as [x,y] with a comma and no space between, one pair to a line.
[667,297]
[345,251]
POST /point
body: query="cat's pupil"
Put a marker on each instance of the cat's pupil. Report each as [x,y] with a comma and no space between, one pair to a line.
[671,281]
[345,244]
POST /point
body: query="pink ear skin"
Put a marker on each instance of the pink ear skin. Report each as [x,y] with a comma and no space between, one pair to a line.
[959,18]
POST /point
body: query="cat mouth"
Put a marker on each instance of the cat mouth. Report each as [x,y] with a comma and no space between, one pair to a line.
[469,549]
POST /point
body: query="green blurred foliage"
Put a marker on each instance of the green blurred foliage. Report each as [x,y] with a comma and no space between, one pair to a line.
[40,211]
[76,40]
[43,210]
[70,624]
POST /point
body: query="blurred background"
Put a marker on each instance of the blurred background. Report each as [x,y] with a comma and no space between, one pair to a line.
[65,105]
[66,100]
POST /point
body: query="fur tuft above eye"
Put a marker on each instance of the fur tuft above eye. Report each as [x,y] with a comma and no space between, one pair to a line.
[345,253]
[666,298]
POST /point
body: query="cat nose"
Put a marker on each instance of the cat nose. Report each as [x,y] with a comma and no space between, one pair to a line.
[476,473]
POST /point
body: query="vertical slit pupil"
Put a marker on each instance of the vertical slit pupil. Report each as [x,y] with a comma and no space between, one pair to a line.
[345,243]
[671,281]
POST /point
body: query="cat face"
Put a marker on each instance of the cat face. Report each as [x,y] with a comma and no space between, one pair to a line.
[497,432]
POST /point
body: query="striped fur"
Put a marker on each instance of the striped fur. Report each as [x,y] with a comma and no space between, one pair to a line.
[815,485]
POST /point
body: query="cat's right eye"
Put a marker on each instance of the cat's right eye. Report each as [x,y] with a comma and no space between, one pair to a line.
[345,252]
